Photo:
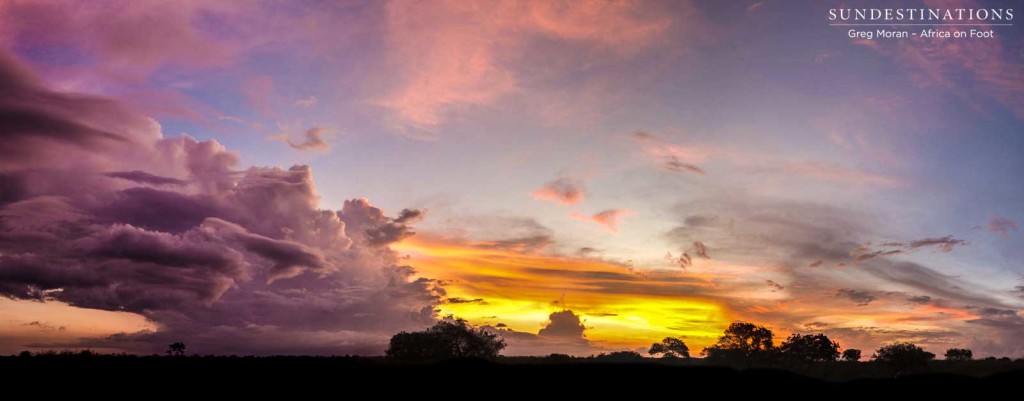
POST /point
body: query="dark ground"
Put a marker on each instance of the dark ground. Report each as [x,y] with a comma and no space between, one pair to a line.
[341,377]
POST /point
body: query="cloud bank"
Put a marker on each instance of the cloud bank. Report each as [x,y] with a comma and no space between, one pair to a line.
[100,210]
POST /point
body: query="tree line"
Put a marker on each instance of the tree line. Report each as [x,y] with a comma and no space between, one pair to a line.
[742,343]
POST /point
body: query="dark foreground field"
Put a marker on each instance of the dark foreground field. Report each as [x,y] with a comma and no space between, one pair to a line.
[125,376]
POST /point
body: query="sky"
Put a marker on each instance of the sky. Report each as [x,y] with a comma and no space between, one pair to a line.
[312,177]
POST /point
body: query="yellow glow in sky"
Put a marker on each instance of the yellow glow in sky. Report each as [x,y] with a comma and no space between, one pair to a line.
[620,308]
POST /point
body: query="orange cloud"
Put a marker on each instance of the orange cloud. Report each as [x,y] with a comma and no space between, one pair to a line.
[618,306]
[609,219]
[566,191]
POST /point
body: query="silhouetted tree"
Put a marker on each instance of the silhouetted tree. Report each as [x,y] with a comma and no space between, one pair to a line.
[959,354]
[809,348]
[445,340]
[25,354]
[740,341]
[671,347]
[851,355]
[904,355]
[176,349]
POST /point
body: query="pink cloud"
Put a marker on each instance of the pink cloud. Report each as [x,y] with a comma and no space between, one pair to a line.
[995,73]
[259,91]
[1001,225]
[840,174]
[609,219]
[566,191]
[455,55]
[672,157]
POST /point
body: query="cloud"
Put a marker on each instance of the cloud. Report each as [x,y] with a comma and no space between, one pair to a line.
[1002,225]
[671,157]
[563,324]
[753,7]
[143,177]
[840,174]
[944,244]
[458,55]
[774,286]
[44,326]
[457,300]
[306,102]
[862,298]
[234,260]
[920,299]
[567,191]
[983,72]
[613,298]
[700,250]
[314,140]
[610,218]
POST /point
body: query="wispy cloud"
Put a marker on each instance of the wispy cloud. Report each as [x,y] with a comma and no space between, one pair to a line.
[1001,225]
[567,191]
[671,157]
[313,140]
[609,219]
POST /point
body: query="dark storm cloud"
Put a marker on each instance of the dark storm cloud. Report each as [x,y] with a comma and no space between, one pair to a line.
[234,261]
[143,177]
[369,224]
[155,209]
[860,297]
[36,120]
[563,324]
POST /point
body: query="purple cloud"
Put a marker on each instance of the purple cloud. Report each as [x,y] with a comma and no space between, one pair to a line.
[230,260]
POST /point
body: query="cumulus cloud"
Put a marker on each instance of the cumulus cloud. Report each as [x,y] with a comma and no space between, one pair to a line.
[563,324]
[567,191]
[234,260]
[609,219]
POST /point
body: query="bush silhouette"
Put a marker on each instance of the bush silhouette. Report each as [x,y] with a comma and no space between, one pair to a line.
[620,357]
[671,347]
[809,348]
[445,340]
[851,355]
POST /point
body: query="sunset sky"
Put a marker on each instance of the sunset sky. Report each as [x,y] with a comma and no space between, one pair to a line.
[305,177]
